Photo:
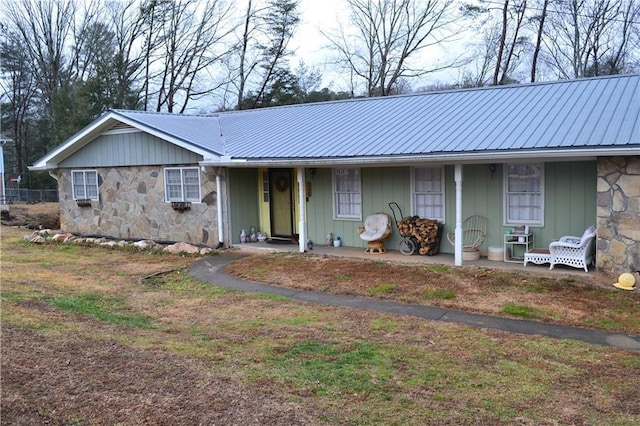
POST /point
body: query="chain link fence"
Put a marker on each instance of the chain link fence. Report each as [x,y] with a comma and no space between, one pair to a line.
[14,195]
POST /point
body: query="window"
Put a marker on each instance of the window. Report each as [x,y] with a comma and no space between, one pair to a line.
[428,192]
[524,194]
[182,184]
[85,184]
[347,198]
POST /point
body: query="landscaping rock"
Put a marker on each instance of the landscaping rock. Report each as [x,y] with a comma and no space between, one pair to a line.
[44,235]
[36,239]
[182,248]
[62,238]
[145,244]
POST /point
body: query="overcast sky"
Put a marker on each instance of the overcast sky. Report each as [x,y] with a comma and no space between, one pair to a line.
[309,44]
[312,47]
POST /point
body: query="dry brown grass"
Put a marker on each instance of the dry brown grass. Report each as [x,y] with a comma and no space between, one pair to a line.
[209,356]
[569,301]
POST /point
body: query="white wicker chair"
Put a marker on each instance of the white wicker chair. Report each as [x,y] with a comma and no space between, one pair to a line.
[574,251]
[474,231]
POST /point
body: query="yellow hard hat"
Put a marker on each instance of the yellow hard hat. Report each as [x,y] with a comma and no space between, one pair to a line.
[626,281]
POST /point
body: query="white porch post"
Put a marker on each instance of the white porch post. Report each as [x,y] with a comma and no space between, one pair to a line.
[219,208]
[458,231]
[302,224]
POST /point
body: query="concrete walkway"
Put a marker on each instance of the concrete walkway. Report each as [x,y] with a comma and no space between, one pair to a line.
[211,270]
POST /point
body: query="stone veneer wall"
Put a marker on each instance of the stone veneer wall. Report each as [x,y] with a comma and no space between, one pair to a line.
[618,245]
[131,205]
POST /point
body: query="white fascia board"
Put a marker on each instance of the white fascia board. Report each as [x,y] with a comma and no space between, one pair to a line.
[482,157]
[95,129]
[74,143]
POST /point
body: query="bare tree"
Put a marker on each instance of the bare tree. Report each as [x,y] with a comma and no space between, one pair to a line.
[128,26]
[191,32]
[388,34]
[496,58]
[280,20]
[513,15]
[44,29]
[152,15]
[536,51]
[259,56]
[248,43]
[479,68]
[591,37]
[308,79]
[18,90]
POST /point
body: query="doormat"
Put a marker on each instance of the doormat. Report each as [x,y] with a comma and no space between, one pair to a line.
[274,241]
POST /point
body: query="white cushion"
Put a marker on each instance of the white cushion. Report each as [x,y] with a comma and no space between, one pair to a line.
[375,226]
[588,233]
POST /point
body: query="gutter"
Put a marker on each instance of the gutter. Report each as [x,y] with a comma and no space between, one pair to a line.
[469,158]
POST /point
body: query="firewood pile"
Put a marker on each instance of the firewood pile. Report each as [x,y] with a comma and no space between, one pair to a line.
[425,232]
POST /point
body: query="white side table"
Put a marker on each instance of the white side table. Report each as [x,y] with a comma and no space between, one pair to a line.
[523,243]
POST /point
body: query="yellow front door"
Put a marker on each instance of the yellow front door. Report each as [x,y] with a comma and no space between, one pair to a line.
[281,202]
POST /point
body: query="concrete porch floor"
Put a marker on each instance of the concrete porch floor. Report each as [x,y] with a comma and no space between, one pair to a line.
[440,259]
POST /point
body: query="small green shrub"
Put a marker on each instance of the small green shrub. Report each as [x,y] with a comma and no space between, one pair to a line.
[440,294]
[438,269]
[521,311]
[383,288]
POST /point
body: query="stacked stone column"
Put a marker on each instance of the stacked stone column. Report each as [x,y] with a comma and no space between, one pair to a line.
[618,243]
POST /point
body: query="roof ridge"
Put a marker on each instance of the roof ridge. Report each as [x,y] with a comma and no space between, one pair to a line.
[435,93]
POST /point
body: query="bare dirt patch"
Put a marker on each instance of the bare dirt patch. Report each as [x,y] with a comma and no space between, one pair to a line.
[33,216]
[103,382]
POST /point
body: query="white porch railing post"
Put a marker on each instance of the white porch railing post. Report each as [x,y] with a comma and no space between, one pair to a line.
[458,231]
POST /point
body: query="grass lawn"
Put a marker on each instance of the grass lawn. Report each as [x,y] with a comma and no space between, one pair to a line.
[92,335]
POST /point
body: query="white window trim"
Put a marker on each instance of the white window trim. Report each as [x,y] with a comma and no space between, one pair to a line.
[413,192]
[336,216]
[505,198]
[84,183]
[182,198]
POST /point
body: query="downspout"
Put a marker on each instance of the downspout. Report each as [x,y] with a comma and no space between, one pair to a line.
[219,208]
[458,231]
[302,211]
[52,175]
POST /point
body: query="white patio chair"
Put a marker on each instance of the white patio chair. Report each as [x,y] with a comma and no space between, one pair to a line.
[574,251]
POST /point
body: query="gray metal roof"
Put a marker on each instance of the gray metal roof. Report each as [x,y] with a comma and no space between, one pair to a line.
[595,112]
[599,115]
[199,130]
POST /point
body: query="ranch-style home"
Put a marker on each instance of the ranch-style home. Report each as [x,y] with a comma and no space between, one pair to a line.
[557,157]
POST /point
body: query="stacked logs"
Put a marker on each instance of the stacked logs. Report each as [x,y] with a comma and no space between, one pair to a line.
[425,232]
